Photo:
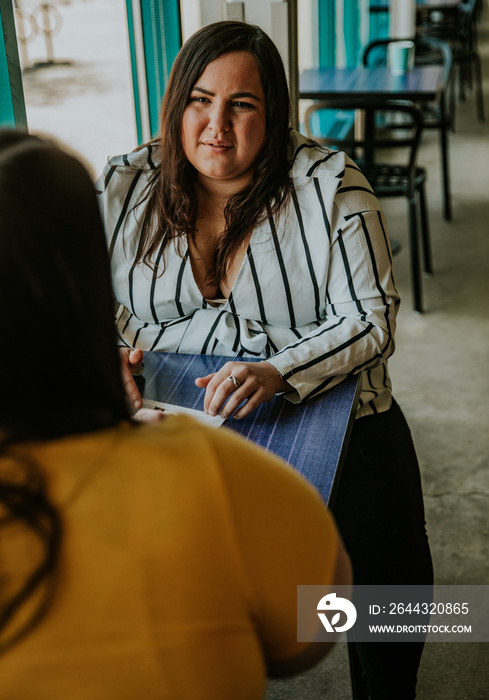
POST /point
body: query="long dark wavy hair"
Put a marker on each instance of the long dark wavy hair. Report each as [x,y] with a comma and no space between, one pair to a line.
[171,201]
[60,366]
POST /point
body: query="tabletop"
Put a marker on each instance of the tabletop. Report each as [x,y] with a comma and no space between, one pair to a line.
[421,5]
[437,4]
[371,83]
[312,436]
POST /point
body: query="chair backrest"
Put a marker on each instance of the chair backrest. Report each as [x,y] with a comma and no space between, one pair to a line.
[427,51]
[467,25]
[458,27]
[368,141]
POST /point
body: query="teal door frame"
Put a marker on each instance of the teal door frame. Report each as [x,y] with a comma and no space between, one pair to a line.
[351,24]
[155,38]
[341,25]
[12,104]
[326,33]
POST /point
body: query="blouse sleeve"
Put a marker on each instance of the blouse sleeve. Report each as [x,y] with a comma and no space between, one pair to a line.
[356,332]
[120,188]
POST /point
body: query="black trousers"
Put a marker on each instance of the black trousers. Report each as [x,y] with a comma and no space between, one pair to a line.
[379,511]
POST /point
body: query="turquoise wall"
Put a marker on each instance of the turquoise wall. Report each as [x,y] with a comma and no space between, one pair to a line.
[345,48]
[12,106]
[161,35]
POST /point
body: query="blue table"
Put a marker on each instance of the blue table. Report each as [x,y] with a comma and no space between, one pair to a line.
[312,437]
[372,84]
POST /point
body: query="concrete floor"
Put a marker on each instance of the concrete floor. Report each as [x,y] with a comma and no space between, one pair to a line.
[440,378]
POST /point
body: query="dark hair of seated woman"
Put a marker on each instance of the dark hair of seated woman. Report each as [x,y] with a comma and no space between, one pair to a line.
[172,199]
[60,366]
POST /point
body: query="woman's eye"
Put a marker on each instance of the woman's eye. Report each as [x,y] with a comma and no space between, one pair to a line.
[199,99]
[244,105]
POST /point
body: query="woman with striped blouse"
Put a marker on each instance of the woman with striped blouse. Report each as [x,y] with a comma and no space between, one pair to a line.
[232,235]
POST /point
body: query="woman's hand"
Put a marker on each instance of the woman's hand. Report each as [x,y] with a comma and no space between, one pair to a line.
[254,382]
[148,415]
[131,363]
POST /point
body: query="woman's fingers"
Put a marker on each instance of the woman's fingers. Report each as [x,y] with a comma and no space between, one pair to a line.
[218,389]
[136,358]
[202,382]
[131,363]
[148,415]
[236,383]
[132,392]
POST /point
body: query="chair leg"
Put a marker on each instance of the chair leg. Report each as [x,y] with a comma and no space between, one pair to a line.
[452,99]
[478,84]
[425,232]
[462,77]
[447,202]
[413,243]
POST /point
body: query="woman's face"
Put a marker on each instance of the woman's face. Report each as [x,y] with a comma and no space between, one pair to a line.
[224,125]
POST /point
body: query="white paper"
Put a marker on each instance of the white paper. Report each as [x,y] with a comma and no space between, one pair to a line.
[214,421]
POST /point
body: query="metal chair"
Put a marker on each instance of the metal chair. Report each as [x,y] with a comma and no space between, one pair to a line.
[397,175]
[428,51]
[459,29]
[466,54]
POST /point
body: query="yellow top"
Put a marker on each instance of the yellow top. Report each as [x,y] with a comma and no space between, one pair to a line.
[183,547]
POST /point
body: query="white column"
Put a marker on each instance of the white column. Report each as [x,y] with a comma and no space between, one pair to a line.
[402,18]
[340,34]
[278,18]
[191,17]
[364,22]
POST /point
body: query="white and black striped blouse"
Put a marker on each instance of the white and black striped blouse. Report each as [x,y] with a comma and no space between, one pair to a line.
[315,293]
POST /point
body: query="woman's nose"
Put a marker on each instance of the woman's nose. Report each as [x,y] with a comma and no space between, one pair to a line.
[219,119]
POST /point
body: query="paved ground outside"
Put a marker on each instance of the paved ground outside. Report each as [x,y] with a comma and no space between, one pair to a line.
[84,96]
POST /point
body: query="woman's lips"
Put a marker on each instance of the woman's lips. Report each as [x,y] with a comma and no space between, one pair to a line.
[217,145]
